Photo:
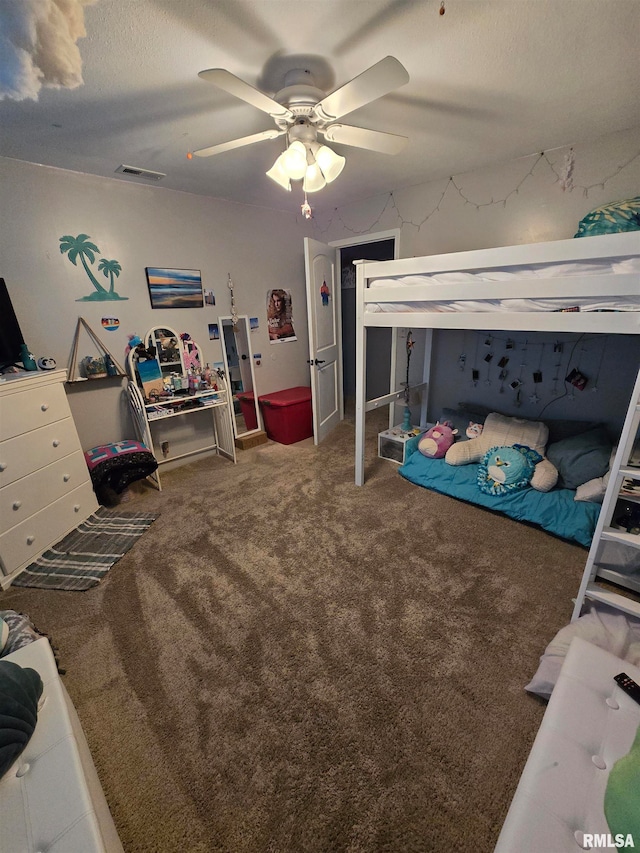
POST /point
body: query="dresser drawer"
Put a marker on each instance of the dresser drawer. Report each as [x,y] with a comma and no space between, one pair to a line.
[32,408]
[26,453]
[30,494]
[26,541]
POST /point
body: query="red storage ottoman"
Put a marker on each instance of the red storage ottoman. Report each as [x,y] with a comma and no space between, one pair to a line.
[287,414]
[248,409]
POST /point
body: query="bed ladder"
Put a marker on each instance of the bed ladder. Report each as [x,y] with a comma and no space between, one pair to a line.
[625,464]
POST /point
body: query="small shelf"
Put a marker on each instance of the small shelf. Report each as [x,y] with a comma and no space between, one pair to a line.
[160,416]
[613,535]
[613,599]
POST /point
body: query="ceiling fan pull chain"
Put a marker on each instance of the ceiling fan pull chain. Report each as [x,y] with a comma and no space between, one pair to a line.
[442,9]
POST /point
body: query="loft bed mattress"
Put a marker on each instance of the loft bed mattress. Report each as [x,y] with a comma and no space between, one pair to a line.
[519,276]
[556,511]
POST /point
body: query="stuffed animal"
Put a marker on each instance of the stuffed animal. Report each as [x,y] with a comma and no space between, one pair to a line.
[190,355]
[502,431]
[134,341]
[473,430]
[507,469]
[437,440]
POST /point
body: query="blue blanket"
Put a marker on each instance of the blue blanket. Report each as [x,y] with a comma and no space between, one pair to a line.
[555,511]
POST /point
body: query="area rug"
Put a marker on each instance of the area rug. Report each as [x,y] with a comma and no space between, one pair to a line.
[84,556]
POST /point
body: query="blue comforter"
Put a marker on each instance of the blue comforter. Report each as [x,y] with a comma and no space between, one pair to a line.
[555,511]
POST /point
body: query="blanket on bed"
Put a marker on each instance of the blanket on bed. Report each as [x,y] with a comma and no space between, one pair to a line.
[555,511]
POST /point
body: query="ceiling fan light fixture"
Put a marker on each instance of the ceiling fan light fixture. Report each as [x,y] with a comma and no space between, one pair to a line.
[314,180]
[294,160]
[329,162]
[278,174]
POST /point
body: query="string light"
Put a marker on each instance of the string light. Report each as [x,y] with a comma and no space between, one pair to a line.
[563,177]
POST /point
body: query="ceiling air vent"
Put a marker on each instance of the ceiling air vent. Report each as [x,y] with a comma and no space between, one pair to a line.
[135,172]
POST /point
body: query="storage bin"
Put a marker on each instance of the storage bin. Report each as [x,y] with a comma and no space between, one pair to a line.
[287,414]
[248,409]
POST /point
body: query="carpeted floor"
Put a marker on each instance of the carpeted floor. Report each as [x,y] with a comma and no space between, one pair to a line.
[286,662]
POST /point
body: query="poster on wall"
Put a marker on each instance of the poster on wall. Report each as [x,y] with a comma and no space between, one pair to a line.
[170,288]
[280,316]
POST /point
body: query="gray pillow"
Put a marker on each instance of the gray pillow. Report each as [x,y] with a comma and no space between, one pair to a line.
[581,458]
[460,419]
[562,428]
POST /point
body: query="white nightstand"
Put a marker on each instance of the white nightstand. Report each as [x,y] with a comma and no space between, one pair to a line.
[397,444]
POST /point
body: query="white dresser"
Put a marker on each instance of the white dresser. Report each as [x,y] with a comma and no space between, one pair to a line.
[45,488]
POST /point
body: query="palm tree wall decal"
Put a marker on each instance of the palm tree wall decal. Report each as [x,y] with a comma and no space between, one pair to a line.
[81,247]
[110,268]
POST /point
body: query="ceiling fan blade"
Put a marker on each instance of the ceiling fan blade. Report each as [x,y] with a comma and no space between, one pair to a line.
[360,137]
[224,79]
[238,143]
[379,80]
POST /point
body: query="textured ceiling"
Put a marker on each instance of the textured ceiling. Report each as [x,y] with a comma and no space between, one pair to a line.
[490,80]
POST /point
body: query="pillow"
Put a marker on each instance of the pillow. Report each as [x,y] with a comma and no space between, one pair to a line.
[581,458]
[560,428]
[611,218]
[604,627]
[20,689]
[461,418]
[507,469]
[21,631]
[593,490]
[4,634]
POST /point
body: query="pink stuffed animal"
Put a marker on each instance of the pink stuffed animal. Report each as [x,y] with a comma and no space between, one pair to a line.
[436,441]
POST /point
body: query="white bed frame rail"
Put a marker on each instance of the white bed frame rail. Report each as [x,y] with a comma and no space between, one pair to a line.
[526,287]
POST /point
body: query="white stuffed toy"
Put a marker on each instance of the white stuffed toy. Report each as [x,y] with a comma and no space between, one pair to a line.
[502,431]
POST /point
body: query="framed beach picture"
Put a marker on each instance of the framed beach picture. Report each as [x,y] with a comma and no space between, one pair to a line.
[174,288]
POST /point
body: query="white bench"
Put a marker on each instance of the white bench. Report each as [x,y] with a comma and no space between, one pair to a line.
[588,725]
[51,798]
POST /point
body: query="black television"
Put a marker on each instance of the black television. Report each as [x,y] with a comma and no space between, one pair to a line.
[10,335]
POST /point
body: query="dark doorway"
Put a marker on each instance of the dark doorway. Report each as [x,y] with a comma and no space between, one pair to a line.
[378,340]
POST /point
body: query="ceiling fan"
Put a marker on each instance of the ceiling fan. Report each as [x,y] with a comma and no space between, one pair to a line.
[303,112]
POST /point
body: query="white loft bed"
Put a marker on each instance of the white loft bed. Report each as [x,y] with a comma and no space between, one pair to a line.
[513,288]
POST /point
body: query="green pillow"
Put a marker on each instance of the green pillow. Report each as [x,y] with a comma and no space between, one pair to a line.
[611,218]
[622,794]
[20,690]
[581,458]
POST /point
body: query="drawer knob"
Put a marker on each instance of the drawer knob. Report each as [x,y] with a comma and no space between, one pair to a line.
[3,466]
[66,477]
[44,407]
[31,540]
[76,508]
[17,504]
[56,442]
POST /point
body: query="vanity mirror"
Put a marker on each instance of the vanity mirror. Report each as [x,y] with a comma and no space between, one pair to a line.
[238,364]
[169,353]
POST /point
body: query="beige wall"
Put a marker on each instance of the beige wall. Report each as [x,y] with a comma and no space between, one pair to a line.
[516,202]
[505,204]
[142,226]
[512,203]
